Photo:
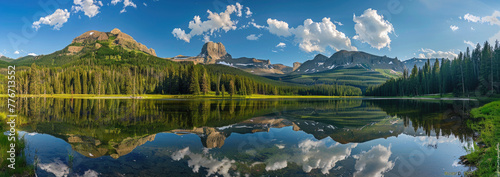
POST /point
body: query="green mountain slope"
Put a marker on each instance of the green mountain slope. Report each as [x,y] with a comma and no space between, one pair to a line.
[355,76]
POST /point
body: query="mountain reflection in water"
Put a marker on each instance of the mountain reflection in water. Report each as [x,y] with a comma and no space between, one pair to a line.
[349,137]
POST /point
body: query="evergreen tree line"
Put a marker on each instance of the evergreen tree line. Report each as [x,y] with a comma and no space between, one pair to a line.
[156,79]
[470,73]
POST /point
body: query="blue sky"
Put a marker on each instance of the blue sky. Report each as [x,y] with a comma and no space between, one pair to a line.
[285,31]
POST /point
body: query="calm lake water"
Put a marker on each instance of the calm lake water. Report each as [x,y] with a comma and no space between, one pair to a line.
[282,137]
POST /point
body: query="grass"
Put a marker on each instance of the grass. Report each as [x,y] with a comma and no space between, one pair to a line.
[485,158]
[357,77]
[21,166]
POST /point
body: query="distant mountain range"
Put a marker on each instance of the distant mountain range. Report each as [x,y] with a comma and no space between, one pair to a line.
[353,68]
[348,59]
[420,62]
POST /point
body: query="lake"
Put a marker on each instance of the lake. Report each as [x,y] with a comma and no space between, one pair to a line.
[271,137]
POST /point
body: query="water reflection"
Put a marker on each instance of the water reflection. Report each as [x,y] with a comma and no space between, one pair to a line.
[349,137]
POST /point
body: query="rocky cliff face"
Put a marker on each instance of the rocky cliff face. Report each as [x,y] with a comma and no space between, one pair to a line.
[347,59]
[211,52]
[296,65]
[116,37]
[215,53]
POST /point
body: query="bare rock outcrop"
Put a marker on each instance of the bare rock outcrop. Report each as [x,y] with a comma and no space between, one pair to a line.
[213,51]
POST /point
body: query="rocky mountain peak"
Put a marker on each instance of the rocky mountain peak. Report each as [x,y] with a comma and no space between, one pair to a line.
[320,57]
[91,37]
[115,31]
[213,51]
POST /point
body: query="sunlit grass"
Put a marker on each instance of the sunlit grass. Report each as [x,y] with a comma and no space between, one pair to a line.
[485,158]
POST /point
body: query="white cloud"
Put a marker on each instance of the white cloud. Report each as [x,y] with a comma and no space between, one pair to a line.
[144,4]
[279,28]
[312,154]
[338,23]
[32,54]
[316,36]
[429,53]
[312,36]
[16,52]
[255,24]
[58,168]
[470,43]
[492,19]
[495,37]
[373,29]
[57,19]
[239,8]
[281,44]
[215,22]
[248,12]
[253,37]
[471,18]
[126,3]
[472,28]
[453,27]
[374,162]
[89,7]
[212,165]
[114,2]
[206,38]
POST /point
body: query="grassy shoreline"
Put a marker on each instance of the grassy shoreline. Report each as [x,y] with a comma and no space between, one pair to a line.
[485,153]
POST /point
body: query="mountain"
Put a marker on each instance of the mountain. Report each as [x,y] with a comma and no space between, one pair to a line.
[356,76]
[348,59]
[115,38]
[215,53]
[420,62]
[6,59]
[103,47]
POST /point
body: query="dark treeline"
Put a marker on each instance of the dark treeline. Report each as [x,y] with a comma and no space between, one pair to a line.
[471,73]
[98,75]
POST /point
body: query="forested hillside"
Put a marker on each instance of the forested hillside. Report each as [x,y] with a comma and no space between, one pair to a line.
[471,73]
[118,71]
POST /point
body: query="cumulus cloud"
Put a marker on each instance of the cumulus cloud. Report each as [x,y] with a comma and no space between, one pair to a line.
[16,52]
[281,44]
[212,165]
[312,36]
[278,28]
[429,53]
[453,27]
[371,28]
[317,36]
[471,18]
[312,154]
[253,37]
[126,3]
[248,12]
[374,162]
[492,19]
[470,43]
[57,19]
[58,168]
[215,22]
[32,54]
[89,7]
[338,23]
